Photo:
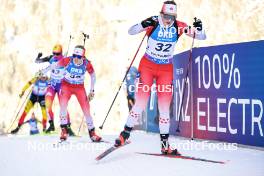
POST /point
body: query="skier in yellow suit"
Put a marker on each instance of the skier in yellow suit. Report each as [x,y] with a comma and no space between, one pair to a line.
[40,84]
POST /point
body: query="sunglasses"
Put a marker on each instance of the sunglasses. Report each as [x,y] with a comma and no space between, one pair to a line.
[168,17]
[57,54]
[77,56]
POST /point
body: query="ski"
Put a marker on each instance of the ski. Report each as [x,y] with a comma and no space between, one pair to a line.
[103,141]
[183,157]
[110,150]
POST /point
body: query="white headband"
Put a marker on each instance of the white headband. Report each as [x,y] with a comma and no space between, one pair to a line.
[169,9]
[78,51]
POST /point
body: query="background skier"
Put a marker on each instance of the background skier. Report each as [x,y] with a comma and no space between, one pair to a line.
[73,84]
[40,84]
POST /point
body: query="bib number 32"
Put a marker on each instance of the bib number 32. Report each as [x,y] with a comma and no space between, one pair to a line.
[162,47]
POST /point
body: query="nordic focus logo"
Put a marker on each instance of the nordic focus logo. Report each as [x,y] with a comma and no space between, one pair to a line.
[150,88]
[169,32]
[204,146]
[67,146]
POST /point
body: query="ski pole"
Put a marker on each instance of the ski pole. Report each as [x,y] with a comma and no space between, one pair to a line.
[15,111]
[20,109]
[101,127]
[80,127]
[85,36]
[185,83]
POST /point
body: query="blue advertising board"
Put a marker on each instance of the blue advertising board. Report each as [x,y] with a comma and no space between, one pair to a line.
[224,94]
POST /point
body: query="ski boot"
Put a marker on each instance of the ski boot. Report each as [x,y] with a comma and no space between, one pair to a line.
[51,127]
[14,131]
[165,147]
[64,133]
[69,130]
[94,137]
[124,135]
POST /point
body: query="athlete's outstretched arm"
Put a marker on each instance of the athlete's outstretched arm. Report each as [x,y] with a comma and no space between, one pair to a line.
[140,27]
[199,35]
[29,83]
[91,71]
[93,80]
[137,28]
[44,59]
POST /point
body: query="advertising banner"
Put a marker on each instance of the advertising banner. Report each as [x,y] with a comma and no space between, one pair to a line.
[223,96]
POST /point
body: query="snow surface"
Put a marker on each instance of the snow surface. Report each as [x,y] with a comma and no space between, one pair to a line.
[36,155]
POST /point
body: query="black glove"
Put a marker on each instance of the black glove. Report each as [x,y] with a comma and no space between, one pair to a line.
[41,60]
[39,55]
[197,24]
